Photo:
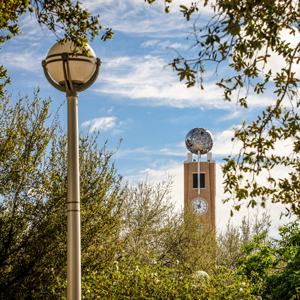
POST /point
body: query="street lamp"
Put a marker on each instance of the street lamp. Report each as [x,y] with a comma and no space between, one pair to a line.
[72,74]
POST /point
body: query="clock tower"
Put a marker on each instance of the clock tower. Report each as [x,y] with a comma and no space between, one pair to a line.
[200,177]
[204,203]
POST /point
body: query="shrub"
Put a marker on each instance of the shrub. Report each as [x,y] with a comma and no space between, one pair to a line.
[126,279]
[273,268]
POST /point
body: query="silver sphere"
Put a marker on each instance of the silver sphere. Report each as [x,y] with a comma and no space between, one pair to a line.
[198,274]
[199,139]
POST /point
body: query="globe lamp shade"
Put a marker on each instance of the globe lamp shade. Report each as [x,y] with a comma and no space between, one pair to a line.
[81,67]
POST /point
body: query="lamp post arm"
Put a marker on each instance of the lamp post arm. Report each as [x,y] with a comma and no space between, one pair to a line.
[80,88]
[67,74]
[51,81]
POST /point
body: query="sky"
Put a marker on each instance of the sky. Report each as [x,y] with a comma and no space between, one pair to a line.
[139,98]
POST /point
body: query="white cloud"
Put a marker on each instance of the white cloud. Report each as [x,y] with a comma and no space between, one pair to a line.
[231,115]
[30,26]
[223,146]
[145,78]
[24,60]
[164,44]
[179,46]
[138,17]
[276,62]
[170,150]
[104,123]
[108,123]
[110,109]
[117,131]
[158,174]
[150,43]
[124,152]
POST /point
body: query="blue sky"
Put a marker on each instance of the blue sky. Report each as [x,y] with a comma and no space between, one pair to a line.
[138,98]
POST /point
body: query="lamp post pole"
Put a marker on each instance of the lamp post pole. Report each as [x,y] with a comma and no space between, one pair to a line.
[59,64]
[74,237]
[199,160]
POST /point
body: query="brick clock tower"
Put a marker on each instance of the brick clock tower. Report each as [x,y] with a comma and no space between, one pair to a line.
[200,191]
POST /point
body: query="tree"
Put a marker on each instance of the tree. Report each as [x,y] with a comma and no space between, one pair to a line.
[166,2]
[244,35]
[33,189]
[155,233]
[231,241]
[147,216]
[66,19]
[273,268]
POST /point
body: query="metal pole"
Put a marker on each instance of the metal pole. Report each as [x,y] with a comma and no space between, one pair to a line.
[74,247]
[199,159]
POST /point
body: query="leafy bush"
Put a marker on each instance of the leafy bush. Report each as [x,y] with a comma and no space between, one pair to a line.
[126,279]
[273,268]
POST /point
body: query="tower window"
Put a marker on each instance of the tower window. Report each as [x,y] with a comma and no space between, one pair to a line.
[202,180]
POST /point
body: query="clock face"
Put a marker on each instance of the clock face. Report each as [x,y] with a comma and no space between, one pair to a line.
[199,206]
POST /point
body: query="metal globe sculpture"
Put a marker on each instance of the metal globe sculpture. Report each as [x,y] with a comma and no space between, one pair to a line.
[199,140]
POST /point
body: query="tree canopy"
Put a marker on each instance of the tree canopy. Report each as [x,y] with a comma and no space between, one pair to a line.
[64,18]
[273,267]
[232,239]
[244,35]
[33,191]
